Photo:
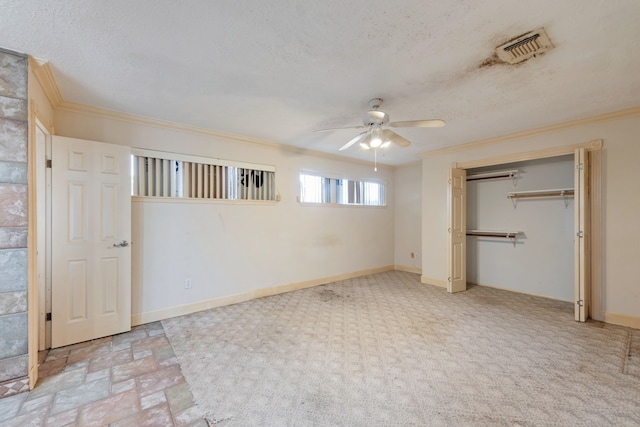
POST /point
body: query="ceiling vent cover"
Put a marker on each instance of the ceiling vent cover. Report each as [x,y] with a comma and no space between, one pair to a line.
[524,47]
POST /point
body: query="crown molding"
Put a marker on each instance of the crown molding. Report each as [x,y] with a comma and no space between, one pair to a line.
[180,127]
[44,74]
[533,132]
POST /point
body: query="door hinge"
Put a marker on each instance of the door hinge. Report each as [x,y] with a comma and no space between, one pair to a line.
[580,303]
[48,318]
[580,166]
[580,234]
[49,163]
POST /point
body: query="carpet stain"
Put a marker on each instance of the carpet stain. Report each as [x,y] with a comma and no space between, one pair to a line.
[327,295]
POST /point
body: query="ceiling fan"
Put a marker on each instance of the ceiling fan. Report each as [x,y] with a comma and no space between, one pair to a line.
[375,136]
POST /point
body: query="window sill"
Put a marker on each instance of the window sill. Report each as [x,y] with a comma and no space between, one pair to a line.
[188,200]
[339,205]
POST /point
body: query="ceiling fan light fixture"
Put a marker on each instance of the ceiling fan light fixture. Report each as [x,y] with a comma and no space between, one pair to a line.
[364,145]
[377,137]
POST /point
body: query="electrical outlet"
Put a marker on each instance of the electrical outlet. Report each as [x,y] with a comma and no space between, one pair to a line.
[187,283]
[413,254]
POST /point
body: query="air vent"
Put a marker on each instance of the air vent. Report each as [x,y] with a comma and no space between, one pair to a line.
[524,47]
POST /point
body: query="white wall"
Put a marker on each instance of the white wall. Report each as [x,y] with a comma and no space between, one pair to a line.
[408,217]
[229,249]
[621,197]
[541,261]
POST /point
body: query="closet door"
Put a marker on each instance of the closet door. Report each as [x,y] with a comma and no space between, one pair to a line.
[457,230]
[582,235]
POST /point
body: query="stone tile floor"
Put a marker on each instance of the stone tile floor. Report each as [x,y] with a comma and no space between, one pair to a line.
[131,379]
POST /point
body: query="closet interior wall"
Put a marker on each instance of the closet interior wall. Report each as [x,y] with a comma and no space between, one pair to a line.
[541,262]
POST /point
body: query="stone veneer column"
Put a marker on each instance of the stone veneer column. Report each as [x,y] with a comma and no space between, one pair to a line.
[13,223]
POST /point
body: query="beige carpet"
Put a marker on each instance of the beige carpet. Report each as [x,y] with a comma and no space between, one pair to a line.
[386,350]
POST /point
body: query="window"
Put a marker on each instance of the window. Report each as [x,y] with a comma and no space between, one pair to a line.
[160,174]
[349,192]
[315,188]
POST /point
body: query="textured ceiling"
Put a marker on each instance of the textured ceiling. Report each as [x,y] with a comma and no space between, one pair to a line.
[276,70]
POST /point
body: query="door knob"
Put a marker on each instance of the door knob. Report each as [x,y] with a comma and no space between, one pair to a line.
[122,244]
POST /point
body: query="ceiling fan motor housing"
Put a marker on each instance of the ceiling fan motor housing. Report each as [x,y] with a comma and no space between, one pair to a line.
[375,117]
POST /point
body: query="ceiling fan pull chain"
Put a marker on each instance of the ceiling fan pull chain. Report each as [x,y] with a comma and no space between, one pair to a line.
[375,160]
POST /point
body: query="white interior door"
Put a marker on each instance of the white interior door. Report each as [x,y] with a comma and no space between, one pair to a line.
[457,230]
[91,228]
[582,235]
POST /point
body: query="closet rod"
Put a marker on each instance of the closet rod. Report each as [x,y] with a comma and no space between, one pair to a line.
[493,175]
[563,192]
[502,234]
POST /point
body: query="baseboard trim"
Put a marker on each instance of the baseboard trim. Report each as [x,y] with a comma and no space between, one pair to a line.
[517,291]
[408,269]
[181,310]
[435,282]
[622,320]
[154,316]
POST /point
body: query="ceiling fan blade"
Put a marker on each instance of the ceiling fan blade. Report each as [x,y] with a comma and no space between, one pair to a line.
[396,139]
[433,123]
[357,138]
[348,127]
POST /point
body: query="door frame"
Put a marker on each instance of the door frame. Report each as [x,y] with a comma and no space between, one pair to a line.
[594,207]
[42,193]
[36,236]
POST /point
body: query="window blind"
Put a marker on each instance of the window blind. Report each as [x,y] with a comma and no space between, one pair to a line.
[162,174]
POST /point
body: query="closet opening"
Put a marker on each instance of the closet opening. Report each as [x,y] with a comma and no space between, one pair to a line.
[520,227]
[530,223]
